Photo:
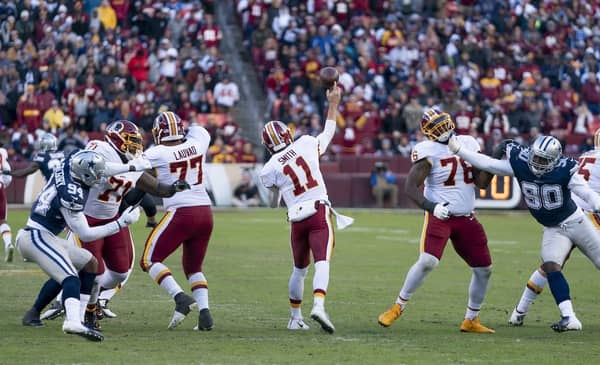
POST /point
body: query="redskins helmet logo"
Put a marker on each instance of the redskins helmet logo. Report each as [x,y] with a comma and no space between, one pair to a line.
[118,127]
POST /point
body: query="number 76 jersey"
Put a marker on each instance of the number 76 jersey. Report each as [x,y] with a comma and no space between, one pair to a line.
[295,172]
[451,178]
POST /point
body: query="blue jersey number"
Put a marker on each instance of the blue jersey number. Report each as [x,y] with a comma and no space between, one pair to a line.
[547,196]
[75,190]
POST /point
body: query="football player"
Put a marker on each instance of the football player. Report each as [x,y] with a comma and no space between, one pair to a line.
[547,180]
[448,200]
[589,169]
[188,220]
[293,171]
[61,204]
[5,232]
[45,160]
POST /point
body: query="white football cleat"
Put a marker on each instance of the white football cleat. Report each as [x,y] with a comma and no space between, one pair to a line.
[183,306]
[319,315]
[570,323]
[56,310]
[105,310]
[76,328]
[297,324]
[516,318]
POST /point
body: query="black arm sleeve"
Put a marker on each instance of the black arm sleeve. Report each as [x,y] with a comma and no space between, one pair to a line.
[133,197]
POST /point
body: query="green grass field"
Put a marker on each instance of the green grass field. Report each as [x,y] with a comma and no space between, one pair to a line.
[248,266]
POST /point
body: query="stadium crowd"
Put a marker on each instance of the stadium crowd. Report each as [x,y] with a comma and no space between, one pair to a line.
[72,67]
[503,69]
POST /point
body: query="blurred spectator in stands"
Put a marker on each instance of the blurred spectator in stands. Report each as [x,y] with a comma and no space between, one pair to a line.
[403,146]
[565,99]
[209,34]
[68,141]
[247,154]
[44,96]
[590,93]
[496,120]
[23,142]
[54,117]
[385,148]
[246,193]
[587,145]
[28,110]
[226,94]
[25,27]
[412,114]
[555,125]
[107,15]
[101,115]
[138,65]
[586,122]
[383,185]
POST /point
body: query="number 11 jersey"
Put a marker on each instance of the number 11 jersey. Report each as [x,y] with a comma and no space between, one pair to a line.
[295,172]
[450,179]
[184,161]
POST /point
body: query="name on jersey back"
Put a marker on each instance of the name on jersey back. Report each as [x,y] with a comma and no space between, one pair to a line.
[287,156]
[186,152]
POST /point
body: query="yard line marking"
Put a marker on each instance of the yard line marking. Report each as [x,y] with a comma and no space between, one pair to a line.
[20,271]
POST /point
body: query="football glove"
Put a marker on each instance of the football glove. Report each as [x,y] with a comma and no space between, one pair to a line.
[129,216]
[181,185]
[441,211]
[500,149]
[453,144]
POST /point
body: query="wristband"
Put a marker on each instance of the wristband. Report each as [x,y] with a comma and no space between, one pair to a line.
[428,205]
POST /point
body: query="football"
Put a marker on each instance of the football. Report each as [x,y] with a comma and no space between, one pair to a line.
[328,76]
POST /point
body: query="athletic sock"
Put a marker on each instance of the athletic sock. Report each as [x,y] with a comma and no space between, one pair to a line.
[535,285]
[163,277]
[199,287]
[415,277]
[49,291]
[296,290]
[477,289]
[320,282]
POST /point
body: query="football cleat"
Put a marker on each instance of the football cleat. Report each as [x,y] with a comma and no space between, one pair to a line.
[516,318]
[567,324]
[388,317]
[205,322]
[318,314]
[297,324]
[473,325]
[183,305]
[9,253]
[76,328]
[106,312]
[90,320]
[32,318]
[56,310]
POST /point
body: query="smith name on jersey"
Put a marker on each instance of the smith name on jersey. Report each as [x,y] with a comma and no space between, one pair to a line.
[61,191]
[451,178]
[48,161]
[548,196]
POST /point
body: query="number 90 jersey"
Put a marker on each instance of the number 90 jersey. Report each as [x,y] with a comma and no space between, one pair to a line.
[184,161]
[105,198]
[451,179]
[295,172]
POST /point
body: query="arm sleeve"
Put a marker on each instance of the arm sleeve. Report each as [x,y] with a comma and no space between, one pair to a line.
[486,163]
[581,188]
[326,136]
[79,225]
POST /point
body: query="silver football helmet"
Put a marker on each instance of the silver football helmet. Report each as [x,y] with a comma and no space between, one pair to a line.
[544,154]
[48,142]
[87,167]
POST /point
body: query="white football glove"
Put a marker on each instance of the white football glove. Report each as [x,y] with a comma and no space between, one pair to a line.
[129,216]
[454,145]
[441,211]
[5,180]
[140,164]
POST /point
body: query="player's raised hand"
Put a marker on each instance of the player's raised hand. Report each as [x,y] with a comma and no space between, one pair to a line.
[453,144]
[334,94]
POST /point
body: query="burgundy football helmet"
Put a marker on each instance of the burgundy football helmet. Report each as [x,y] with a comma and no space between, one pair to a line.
[437,125]
[167,127]
[276,136]
[125,138]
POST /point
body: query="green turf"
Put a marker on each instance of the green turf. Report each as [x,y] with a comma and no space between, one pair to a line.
[247,267]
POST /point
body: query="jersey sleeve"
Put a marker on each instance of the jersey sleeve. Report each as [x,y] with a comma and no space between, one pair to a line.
[74,201]
[198,133]
[470,143]
[267,176]
[39,158]
[152,154]
[421,151]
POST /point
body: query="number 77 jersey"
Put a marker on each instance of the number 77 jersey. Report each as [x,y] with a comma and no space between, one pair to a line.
[183,161]
[451,178]
[295,172]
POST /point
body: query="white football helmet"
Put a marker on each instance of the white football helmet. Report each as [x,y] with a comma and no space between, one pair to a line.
[87,167]
[48,143]
[544,154]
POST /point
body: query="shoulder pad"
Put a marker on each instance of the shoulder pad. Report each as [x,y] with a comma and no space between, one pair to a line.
[421,150]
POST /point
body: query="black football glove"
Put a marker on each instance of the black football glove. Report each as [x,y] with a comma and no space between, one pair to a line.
[180,185]
[500,150]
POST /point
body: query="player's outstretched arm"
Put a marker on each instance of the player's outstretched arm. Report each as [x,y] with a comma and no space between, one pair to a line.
[480,161]
[274,197]
[79,225]
[481,178]
[33,167]
[149,184]
[334,96]
[137,164]
[580,187]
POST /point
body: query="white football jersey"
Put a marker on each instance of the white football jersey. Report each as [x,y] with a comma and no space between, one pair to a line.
[589,168]
[451,179]
[295,172]
[105,198]
[5,180]
[184,161]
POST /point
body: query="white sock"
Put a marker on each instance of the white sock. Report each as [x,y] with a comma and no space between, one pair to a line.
[84,299]
[94,293]
[6,234]
[566,308]
[534,287]
[199,287]
[477,289]
[415,277]
[72,310]
[163,277]
[296,290]
[320,282]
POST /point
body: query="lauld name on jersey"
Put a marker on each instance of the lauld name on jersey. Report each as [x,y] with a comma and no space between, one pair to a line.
[186,152]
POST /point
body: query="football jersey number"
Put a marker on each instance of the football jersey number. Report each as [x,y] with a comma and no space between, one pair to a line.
[181,168]
[453,162]
[117,184]
[583,171]
[547,196]
[310,180]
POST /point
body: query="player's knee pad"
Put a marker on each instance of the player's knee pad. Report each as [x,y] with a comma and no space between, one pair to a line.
[300,272]
[482,272]
[427,262]
[551,266]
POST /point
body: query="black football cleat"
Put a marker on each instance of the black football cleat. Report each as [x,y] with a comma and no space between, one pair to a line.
[205,321]
[32,318]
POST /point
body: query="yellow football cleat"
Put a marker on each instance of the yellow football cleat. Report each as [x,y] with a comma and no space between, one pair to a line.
[388,317]
[473,325]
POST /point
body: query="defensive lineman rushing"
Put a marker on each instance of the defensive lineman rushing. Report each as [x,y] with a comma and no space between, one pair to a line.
[5,180]
[293,170]
[188,220]
[60,204]
[547,179]
[589,169]
[448,200]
